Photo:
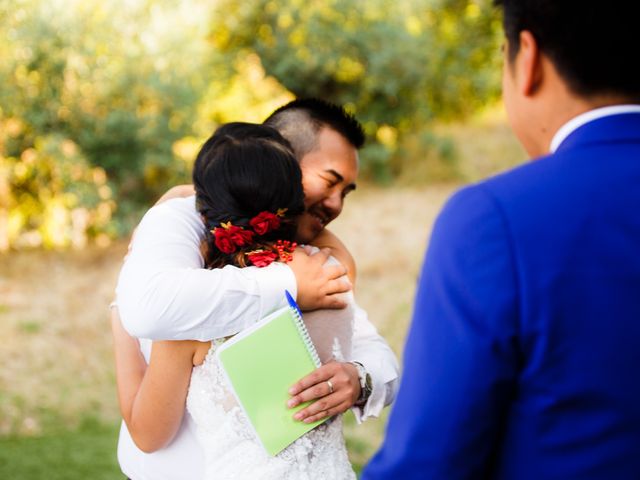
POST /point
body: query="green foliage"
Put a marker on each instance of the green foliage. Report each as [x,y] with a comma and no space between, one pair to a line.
[397,64]
[107,77]
[134,86]
[56,198]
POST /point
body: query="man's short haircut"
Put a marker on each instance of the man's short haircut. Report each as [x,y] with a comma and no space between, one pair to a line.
[301,120]
[593,44]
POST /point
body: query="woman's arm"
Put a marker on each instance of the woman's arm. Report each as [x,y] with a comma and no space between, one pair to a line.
[130,363]
[152,399]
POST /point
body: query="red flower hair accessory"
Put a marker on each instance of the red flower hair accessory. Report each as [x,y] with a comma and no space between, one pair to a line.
[264,222]
[229,237]
[285,250]
[261,258]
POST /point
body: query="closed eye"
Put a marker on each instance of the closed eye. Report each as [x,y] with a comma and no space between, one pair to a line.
[337,178]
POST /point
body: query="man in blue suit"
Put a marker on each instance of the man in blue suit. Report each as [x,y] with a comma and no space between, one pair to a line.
[523,357]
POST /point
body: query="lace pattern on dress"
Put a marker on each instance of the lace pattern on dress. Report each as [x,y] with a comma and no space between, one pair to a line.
[233,452]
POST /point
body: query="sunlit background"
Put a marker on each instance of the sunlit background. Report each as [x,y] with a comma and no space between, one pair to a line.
[103,106]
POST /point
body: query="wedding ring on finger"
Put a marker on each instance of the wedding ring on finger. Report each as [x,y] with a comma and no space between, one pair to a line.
[330,385]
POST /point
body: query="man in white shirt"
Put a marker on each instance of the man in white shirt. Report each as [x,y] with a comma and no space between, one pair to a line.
[165,293]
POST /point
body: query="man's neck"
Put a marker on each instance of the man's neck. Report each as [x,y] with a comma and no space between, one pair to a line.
[566,106]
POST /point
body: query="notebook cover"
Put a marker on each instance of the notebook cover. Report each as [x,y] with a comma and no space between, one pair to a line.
[261,364]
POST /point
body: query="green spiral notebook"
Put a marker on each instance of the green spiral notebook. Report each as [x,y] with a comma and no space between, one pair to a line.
[261,363]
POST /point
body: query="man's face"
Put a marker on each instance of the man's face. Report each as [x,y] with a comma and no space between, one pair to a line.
[328,175]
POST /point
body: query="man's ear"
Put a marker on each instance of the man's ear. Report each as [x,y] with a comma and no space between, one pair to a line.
[528,65]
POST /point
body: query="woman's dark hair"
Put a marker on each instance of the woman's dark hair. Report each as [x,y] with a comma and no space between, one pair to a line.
[244,169]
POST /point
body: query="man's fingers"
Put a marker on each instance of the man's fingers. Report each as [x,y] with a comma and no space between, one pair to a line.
[317,283]
[320,410]
[319,375]
[326,413]
[337,286]
[320,390]
[323,404]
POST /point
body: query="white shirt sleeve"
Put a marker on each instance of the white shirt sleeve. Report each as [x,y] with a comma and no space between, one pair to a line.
[374,353]
[164,293]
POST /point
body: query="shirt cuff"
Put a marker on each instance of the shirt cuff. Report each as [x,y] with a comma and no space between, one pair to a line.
[272,282]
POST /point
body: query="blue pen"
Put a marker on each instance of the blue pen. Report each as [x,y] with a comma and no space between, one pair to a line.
[292,302]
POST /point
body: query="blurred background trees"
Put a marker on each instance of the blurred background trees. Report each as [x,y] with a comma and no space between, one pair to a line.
[110,100]
[399,65]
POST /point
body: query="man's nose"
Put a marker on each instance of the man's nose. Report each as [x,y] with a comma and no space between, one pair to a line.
[333,203]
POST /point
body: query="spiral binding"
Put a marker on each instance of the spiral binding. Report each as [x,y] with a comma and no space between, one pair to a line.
[306,338]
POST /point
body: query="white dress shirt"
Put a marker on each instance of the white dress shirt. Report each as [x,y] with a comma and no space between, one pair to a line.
[164,293]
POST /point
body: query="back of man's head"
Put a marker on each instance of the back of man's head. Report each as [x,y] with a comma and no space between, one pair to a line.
[592,44]
[301,120]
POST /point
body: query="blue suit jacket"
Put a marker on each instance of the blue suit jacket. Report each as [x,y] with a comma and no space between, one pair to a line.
[523,357]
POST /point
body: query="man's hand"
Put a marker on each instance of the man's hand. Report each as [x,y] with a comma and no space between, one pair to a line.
[318,285]
[336,386]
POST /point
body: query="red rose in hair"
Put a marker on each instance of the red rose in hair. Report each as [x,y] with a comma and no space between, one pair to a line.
[264,222]
[240,236]
[223,240]
[229,237]
[262,258]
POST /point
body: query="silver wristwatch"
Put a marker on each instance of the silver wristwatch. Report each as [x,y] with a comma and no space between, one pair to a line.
[366,385]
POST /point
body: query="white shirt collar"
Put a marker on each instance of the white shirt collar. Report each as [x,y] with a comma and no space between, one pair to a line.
[587,117]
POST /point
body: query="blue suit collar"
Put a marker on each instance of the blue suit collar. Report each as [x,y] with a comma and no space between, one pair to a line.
[623,127]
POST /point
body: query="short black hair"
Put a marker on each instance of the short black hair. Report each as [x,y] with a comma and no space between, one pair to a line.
[593,44]
[244,169]
[301,120]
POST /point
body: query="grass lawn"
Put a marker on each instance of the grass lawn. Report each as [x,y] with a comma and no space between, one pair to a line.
[88,452]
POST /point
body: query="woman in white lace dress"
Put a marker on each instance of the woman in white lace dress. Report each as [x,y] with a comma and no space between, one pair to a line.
[249,193]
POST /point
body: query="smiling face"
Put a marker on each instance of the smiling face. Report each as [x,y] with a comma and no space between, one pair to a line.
[328,174]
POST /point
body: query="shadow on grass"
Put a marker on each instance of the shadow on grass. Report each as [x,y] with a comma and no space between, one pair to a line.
[86,452]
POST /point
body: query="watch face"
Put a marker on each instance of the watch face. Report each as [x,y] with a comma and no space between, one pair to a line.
[367,387]
[365,384]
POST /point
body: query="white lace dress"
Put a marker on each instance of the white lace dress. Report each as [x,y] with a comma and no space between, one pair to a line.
[231,449]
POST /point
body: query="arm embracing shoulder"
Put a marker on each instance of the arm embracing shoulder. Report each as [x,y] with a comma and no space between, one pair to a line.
[164,293]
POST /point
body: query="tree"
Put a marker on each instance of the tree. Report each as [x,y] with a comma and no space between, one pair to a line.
[397,64]
[121,82]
